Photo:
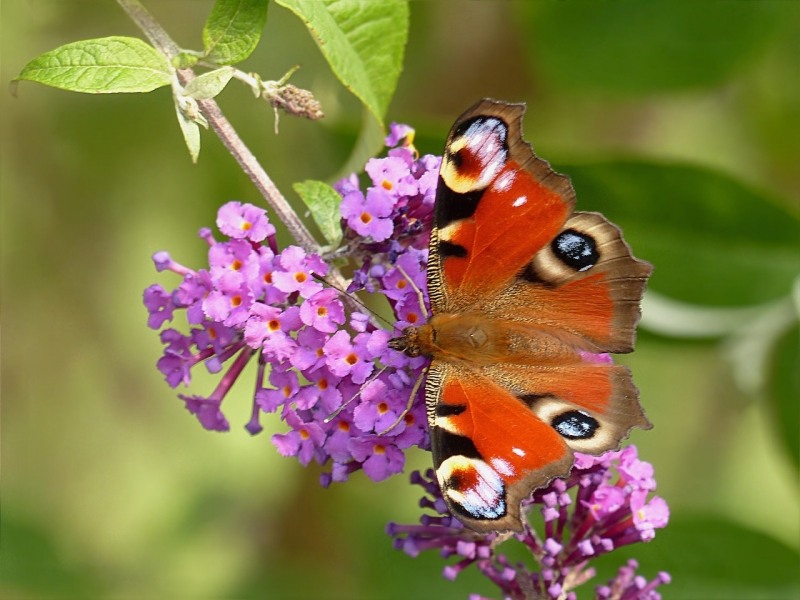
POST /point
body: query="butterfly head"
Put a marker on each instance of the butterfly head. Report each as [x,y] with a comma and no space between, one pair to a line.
[414,341]
[407,342]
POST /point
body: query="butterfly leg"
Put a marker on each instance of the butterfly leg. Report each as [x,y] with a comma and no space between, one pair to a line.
[409,404]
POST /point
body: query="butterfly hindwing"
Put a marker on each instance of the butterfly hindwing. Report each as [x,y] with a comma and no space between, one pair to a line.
[586,282]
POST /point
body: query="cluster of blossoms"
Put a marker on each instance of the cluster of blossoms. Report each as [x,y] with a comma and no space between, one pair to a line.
[317,365]
[345,396]
[601,506]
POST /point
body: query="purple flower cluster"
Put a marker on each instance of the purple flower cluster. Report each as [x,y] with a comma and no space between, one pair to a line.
[604,504]
[388,225]
[343,394]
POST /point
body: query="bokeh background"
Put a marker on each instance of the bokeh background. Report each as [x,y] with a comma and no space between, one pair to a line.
[677,119]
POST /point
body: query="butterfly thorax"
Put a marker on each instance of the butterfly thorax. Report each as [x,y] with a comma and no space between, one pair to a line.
[477,339]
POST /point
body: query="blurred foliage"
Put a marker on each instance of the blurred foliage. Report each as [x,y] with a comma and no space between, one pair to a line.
[677,119]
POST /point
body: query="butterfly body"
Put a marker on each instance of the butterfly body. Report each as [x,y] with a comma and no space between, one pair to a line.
[526,296]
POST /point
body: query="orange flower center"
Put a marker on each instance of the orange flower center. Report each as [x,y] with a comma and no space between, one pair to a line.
[365,218]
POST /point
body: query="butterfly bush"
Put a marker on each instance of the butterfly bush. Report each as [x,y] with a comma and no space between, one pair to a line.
[604,504]
[345,397]
[341,392]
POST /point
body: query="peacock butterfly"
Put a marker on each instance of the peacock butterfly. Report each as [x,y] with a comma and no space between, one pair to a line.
[525,295]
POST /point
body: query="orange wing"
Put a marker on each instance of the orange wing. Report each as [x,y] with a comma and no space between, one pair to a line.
[496,206]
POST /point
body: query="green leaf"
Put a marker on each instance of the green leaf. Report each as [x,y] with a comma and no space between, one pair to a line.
[629,47]
[713,558]
[712,240]
[208,85]
[101,66]
[191,132]
[323,201]
[784,390]
[363,41]
[233,30]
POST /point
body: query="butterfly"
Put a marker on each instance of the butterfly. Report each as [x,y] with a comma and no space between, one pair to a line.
[526,297]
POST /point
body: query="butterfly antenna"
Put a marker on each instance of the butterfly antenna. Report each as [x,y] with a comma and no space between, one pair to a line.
[344,405]
[414,287]
[410,403]
[353,298]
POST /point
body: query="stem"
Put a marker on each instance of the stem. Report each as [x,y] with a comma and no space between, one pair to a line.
[161,40]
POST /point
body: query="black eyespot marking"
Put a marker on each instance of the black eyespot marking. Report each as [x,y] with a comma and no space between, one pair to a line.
[451,206]
[575,425]
[576,249]
[449,249]
[449,410]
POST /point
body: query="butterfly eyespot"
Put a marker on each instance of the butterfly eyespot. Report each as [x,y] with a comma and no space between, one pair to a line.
[575,425]
[576,250]
[481,128]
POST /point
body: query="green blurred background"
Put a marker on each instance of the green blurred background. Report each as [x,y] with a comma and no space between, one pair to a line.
[677,119]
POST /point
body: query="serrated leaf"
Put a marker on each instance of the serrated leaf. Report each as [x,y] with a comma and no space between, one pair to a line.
[712,240]
[323,201]
[783,385]
[208,85]
[191,133]
[363,42]
[101,66]
[233,30]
